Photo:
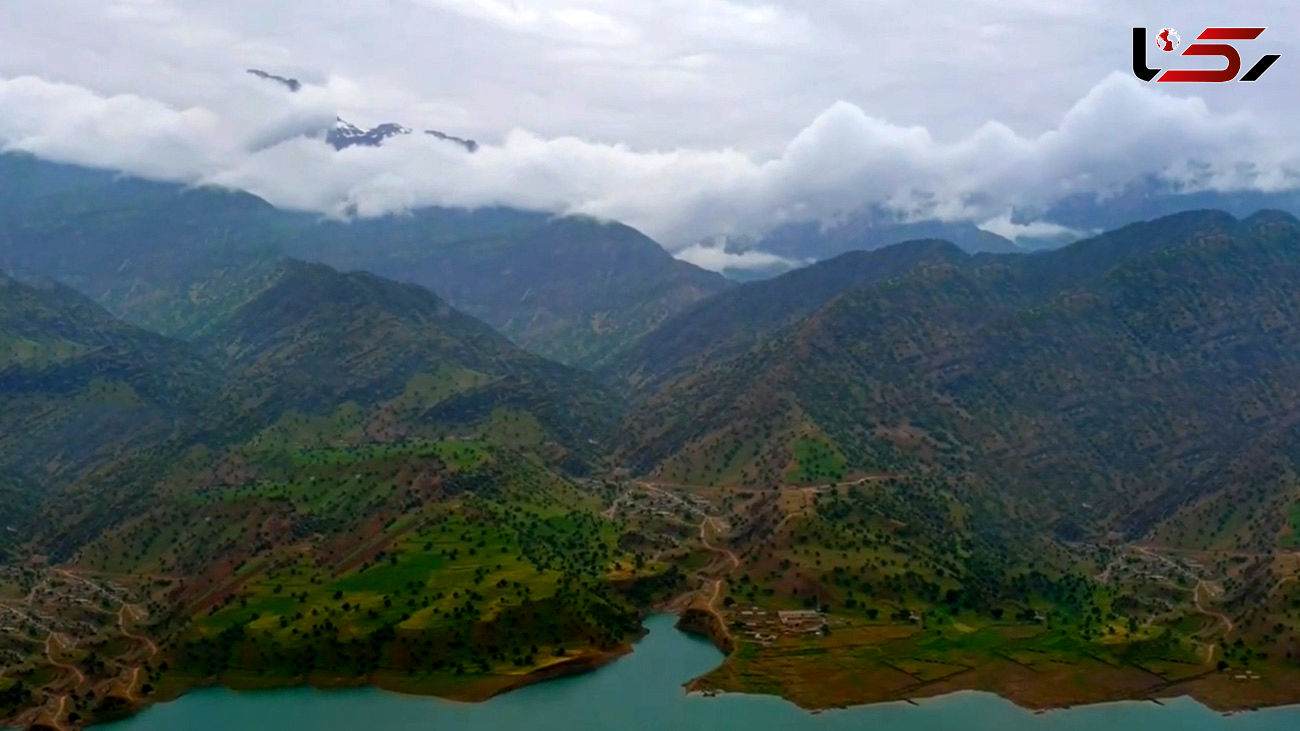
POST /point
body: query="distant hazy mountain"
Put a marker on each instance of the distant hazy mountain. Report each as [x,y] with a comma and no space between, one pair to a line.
[810,240]
[1150,198]
[866,230]
[1065,222]
[169,258]
[573,289]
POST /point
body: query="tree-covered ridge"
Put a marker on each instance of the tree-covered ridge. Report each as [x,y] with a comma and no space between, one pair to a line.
[728,324]
[1107,373]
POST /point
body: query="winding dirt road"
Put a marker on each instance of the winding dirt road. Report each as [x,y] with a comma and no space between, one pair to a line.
[723,550]
[121,625]
[713,522]
[1196,599]
[49,654]
[58,713]
[612,510]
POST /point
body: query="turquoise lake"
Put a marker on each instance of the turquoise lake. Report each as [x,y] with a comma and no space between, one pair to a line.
[644,691]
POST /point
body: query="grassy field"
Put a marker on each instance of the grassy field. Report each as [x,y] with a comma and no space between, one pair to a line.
[859,660]
[468,589]
[816,461]
[1291,539]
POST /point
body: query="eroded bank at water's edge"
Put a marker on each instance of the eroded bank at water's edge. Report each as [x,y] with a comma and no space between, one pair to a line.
[706,624]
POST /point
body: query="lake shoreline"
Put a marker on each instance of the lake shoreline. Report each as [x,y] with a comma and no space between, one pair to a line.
[477,691]
[473,690]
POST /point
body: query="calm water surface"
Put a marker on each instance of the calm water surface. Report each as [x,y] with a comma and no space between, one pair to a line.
[643,691]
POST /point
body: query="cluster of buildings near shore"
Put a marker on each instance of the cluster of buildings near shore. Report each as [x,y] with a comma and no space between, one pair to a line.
[766,626]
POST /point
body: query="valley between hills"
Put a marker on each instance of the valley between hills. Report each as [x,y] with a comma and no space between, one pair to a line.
[1065,477]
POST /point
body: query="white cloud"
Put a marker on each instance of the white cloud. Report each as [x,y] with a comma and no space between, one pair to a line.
[842,160]
[714,257]
[1040,230]
[147,137]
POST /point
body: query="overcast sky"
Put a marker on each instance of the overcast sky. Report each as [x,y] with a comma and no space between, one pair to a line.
[685,118]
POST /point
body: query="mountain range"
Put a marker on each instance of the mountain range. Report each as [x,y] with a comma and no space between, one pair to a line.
[929,348]
[688,346]
[167,257]
[438,450]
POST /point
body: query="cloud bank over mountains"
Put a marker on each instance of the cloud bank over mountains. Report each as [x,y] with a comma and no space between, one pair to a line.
[249,133]
[269,143]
